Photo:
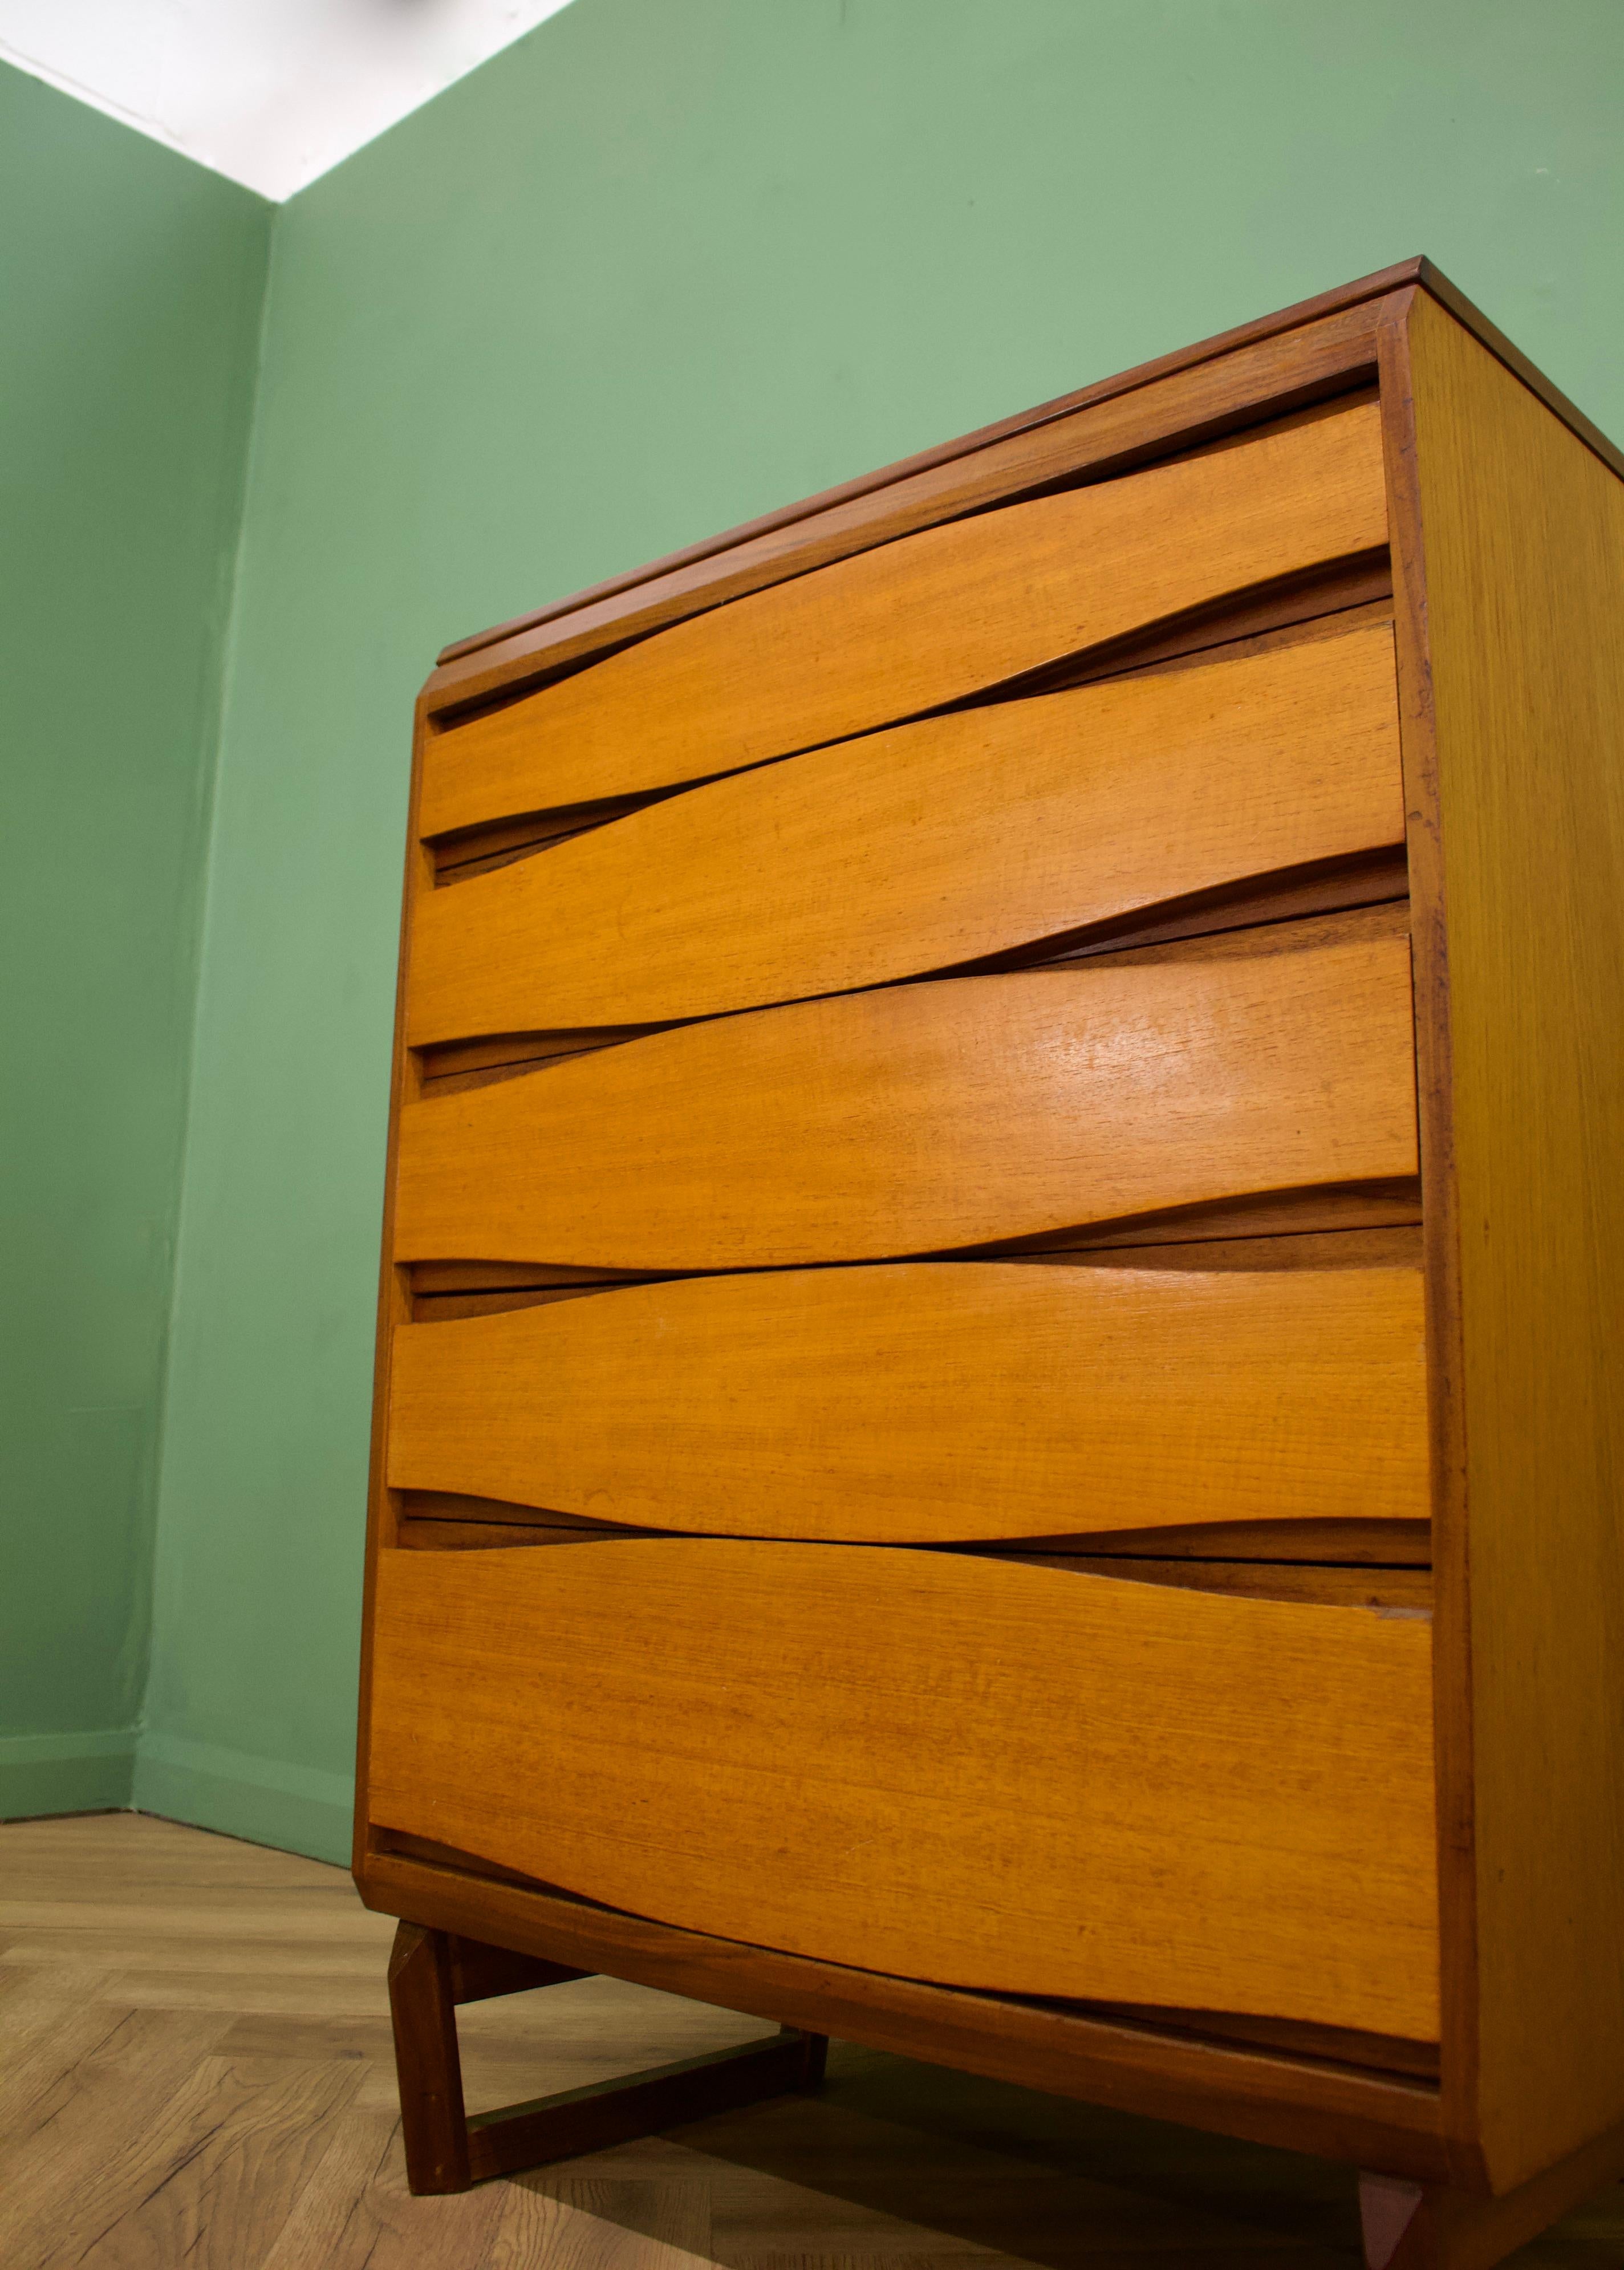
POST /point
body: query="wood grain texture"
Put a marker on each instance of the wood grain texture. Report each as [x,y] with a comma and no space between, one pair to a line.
[1523,531]
[927,1117]
[932,1402]
[937,616]
[932,844]
[984,1773]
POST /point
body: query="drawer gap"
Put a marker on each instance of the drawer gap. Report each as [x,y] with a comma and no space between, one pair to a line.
[1330,902]
[1209,1556]
[1359,1225]
[464,851]
[1320,2044]
[1387,1202]
[1368,895]
[1318,1543]
[1312,602]
[1391,1588]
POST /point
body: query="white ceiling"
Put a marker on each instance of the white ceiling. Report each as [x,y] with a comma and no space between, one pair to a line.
[269,93]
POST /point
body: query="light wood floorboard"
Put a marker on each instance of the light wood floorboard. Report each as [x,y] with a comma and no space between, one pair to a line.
[195,2075]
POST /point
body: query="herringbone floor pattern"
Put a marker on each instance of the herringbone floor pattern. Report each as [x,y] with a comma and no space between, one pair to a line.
[195,2075]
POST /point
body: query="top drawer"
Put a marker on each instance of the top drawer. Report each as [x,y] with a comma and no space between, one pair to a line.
[911,625]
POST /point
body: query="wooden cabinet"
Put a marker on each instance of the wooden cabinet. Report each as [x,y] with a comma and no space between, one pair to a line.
[998,1394]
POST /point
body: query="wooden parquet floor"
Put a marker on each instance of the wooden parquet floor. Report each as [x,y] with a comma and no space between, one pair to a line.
[195,2075]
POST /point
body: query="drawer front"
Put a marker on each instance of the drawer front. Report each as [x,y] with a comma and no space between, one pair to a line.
[928,845]
[927,1117]
[917,623]
[983,1773]
[926,1403]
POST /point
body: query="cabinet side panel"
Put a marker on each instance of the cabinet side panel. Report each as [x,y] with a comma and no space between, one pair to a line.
[1440,1252]
[1524,531]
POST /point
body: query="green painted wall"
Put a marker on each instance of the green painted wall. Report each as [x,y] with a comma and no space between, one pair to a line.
[130,283]
[654,270]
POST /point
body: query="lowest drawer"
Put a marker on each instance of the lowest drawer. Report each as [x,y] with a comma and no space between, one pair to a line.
[985,1773]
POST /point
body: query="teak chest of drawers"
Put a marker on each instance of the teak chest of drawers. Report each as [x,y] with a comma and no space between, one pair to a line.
[1008,1106]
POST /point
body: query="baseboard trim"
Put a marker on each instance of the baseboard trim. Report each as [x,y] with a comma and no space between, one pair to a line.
[41,1775]
[263,1801]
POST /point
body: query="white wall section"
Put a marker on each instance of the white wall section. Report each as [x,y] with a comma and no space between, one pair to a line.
[269,93]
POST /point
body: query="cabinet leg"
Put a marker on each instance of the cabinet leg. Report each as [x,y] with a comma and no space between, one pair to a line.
[428,2065]
[431,1971]
[1433,2226]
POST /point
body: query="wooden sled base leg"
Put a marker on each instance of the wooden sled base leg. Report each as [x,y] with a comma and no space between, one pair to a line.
[431,1971]
[1431,2227]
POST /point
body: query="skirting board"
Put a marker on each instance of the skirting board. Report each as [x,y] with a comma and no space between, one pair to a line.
[115,1769]
[79,1772]
[263,1800]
